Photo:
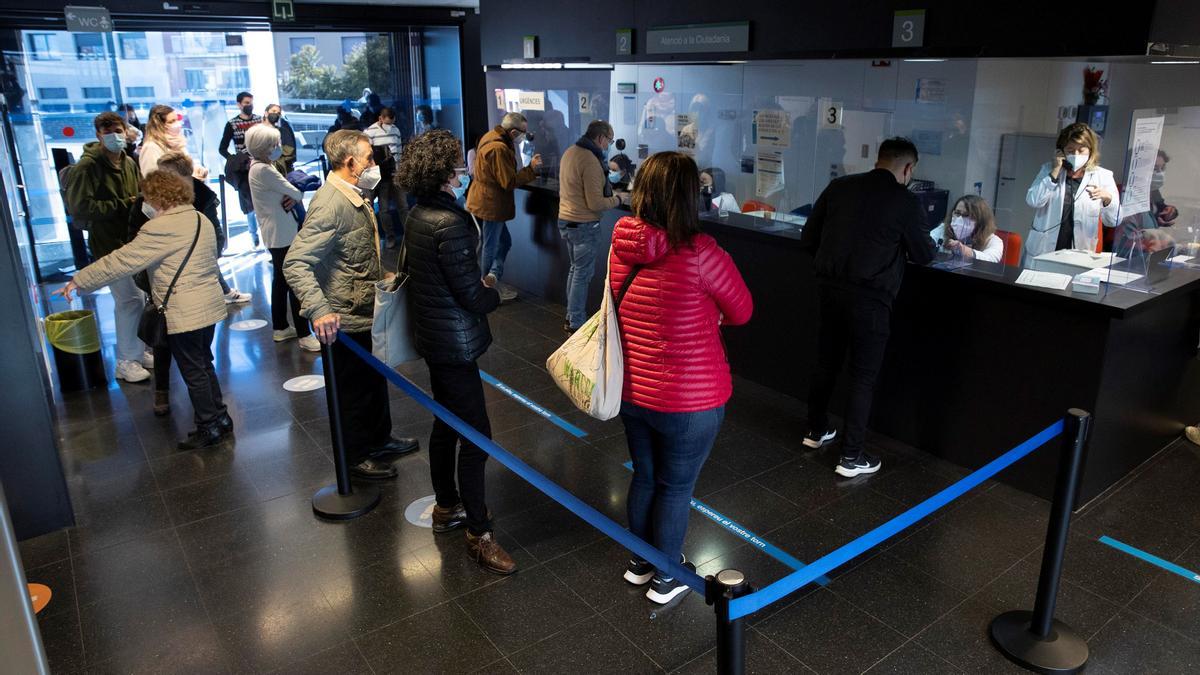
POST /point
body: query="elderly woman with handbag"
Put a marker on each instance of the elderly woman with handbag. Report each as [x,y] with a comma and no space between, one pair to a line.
[178,247]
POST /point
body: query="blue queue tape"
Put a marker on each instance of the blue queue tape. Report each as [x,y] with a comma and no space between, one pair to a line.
[556,492]
[520,398]
[749,604]
[743,532]
[1151,558]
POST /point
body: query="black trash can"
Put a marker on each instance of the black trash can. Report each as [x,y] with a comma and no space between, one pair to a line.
[75,341]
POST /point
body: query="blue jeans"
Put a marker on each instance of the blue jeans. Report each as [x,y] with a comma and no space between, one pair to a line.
[252,224]
[668,451]
[581,247]
[496,243]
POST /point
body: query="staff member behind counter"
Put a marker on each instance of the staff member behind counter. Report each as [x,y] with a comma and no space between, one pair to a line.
[972,231]
[1074,223]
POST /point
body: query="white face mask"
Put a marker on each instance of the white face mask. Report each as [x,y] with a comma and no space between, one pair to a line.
[113,142]
[1156,180]
[963,227]
[368,179]
[1077,161]
[148,211]
[175,128]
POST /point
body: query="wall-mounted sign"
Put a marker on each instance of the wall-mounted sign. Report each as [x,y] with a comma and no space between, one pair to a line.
[829,114]
[908,28]
[88,19]
[699,38]
[931,90]
[282,10]
[771,129]
[500,99]
[624,41]
[533,100]
[626,87]
[529,47]
[659,85]
[585,102]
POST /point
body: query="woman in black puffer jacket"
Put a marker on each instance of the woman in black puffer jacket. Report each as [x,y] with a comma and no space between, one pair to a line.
[449,306]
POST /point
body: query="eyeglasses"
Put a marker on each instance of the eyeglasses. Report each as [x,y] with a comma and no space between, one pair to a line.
[960,213]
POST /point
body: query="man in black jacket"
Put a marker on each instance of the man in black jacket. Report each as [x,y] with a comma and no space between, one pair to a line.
[862,230]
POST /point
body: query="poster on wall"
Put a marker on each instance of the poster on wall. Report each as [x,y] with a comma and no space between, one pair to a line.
[435,97]
[768,172]
[1147,134]
[512,100]
[931,90]
[532,100]
[686,132]
[500,105]
[772,129]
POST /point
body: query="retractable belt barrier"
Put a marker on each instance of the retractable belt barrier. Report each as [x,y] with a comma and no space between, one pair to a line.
[1027,638]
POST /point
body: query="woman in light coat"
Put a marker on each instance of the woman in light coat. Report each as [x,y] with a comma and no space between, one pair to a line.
[196,304]
[274,198]
[1093,199]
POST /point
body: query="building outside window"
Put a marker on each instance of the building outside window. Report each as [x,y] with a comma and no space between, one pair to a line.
[235,79]
[349,44]
[296,44]
[97,92]
[197,79]
[50,93]
[41,47]
[89,45]
[139,92]
[133,46]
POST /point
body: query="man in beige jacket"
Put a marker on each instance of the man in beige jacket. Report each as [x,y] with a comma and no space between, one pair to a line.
[584,193]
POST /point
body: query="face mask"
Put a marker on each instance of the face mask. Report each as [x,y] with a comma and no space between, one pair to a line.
[248,109]
[148,210]
[614,176]
[368,179]
[1077,161]
[706,190]
[963,227]
[519,140]
[175,128]
[113,142]
[276,154]
[1156,180]
[274,118]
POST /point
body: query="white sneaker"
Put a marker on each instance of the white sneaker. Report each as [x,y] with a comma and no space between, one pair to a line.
[284,335]
[132,371]
[507,293]
[236,297]
[310,343]
[147,359]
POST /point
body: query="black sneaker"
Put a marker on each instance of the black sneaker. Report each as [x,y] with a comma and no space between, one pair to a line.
[816,439]
[858,466]
[639,572]
[665,589]
[204,437]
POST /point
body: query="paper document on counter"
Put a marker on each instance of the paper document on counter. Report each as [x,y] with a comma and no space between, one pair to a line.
[1179,259]
[1114,277]
[1044,279]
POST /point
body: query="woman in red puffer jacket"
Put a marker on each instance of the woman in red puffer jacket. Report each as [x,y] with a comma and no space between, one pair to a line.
[676,375]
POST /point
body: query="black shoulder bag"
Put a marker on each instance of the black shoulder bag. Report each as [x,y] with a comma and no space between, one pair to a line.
[152,328]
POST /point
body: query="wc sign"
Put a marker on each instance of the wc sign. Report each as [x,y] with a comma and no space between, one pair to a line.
[88,19]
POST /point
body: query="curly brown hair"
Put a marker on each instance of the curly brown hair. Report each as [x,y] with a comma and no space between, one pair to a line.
[166,189]
[428,162]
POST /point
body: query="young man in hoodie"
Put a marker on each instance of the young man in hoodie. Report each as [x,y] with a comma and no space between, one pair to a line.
[101,188]
[585,193]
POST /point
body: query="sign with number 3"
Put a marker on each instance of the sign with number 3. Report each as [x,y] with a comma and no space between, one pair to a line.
[830,112]
[908,28]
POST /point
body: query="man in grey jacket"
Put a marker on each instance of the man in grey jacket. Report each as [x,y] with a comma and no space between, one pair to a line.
[332,266]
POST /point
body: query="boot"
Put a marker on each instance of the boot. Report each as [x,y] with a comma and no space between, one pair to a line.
[445,520]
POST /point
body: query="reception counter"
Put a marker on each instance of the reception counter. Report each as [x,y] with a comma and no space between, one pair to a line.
[976,363]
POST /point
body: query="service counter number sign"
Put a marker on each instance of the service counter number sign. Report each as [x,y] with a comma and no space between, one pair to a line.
[830,114]
[908,28]
[585,102]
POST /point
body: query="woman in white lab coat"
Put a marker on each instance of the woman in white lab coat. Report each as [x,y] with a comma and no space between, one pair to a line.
[1093,196]
[971,233]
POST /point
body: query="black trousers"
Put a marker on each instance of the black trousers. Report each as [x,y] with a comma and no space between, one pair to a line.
[281,295]
[459,388]
[858,324]
[193,354]
[162,368]
[362,400]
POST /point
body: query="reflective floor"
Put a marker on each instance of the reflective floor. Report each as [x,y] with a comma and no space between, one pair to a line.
[212,561]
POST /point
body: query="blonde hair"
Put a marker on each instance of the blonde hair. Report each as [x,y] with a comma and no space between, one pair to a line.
[167,189]
[158,131]
[1081,133]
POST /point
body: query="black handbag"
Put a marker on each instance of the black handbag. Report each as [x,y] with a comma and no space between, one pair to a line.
[152,327]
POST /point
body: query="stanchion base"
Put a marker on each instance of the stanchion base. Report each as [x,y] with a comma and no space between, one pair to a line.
[1063,651]
[327,503]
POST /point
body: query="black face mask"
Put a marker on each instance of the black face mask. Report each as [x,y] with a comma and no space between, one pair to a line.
[274,118]
[706,190]
[247,109]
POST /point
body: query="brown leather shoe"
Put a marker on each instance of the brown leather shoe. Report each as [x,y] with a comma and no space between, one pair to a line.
[445,520]
[488,553]
[162,403]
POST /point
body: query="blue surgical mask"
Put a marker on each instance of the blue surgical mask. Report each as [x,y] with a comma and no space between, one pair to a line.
[614,176]
[460,190]
[113,142]
[276,154]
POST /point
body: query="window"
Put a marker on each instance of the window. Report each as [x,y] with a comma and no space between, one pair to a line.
[48,93]
[41,46]
[133,46]
[349,44]
[196,79]
[297,44]
[89,45]
[97,92]
[235,79]
[139,92]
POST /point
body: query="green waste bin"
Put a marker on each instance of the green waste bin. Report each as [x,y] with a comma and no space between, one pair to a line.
[75,341]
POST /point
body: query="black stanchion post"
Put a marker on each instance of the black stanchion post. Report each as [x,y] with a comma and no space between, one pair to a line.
[731,634]
[224,215]
[340,502]
[1035,640]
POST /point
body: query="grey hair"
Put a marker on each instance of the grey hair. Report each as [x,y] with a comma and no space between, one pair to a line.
[512,120]
[341,145]
[261,139]
[599,128]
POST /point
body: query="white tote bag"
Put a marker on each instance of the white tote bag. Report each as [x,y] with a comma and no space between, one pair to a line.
[590,367]
[392,338]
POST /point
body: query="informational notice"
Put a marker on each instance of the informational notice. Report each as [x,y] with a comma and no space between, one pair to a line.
[1143,153]
[435,97]
[533,100]
[768,172]
[629,110]
[500,100]
[772,129]
[685,131]
[829,114]
[931,90]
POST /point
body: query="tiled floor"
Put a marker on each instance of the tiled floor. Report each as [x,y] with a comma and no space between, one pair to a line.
[213,562]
